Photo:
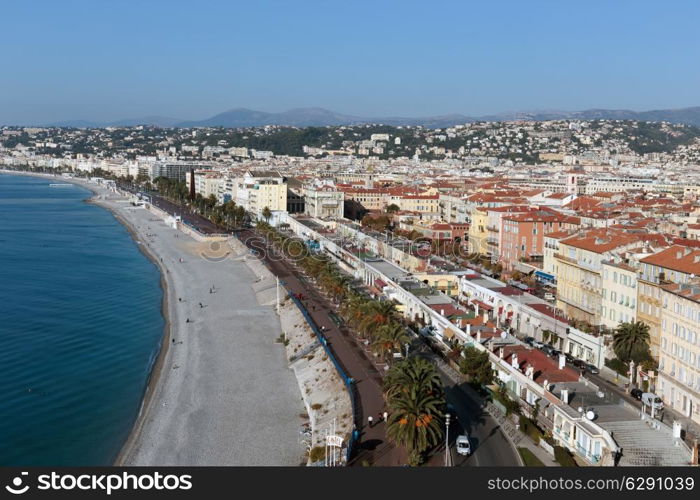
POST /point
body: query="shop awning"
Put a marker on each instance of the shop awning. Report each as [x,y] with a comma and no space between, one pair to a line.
[544,276]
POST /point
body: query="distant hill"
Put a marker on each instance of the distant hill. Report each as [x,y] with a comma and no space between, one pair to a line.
[300,117]
[308,117]
[157,121]
[319,117]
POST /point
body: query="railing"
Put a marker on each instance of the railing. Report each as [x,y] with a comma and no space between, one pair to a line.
[348,381]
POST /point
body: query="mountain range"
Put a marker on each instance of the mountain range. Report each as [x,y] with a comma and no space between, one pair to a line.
[308,117]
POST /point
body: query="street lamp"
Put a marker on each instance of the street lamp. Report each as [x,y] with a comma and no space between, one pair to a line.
[448,455]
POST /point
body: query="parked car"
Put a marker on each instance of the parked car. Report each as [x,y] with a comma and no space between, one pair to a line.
[463,445]
[547,348]
[549,296]
[650,399]
[636,393]
[592,368]
[555,353]
[569,358]
[537,344]
[529,340]
[578,363]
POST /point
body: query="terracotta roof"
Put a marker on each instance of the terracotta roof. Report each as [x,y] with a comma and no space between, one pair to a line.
[544,367]
[676,258]
[558,234]
[559,196]
[602,240]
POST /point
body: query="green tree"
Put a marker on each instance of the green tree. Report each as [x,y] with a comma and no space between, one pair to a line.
[390,338]
[409,373]
[416,403]
[476,366]
[631,342]
[266,213]
[377,314]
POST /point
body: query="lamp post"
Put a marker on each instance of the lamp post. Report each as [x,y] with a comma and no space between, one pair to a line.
[448,455]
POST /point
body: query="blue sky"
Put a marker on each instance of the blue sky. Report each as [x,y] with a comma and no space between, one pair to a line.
[101,60]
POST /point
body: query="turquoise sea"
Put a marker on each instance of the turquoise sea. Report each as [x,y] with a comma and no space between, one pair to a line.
[80,326]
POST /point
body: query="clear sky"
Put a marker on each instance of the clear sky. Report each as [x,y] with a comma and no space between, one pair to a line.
[109,60]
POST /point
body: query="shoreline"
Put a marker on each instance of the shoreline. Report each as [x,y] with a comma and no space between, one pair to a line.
[157,369]
[220,385]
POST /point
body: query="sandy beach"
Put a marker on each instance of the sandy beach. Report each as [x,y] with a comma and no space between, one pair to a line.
[221,392]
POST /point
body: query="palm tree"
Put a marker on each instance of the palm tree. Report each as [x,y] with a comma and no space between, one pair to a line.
[631,342]
[339,286]
[378,314]
[410,373]
[390,338]
[266,213]
[416,401]
[353,309]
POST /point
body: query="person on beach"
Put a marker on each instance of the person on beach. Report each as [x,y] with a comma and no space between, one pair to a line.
[385,415]
[380,417]
[188,320]
[369,421]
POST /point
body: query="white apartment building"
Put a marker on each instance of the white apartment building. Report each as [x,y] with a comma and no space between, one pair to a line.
[679,359]
[323,202]
[260,189]
[619,289]
[618,184]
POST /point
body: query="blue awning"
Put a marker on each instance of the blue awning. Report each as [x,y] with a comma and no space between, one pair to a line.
[544,276]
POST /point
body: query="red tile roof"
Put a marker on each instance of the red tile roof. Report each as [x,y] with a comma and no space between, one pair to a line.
[676,258]
[544,367]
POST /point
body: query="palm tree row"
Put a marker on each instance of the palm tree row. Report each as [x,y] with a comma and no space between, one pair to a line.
[412,387]
[375,321]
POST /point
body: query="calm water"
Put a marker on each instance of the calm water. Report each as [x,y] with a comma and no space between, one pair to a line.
[80,326]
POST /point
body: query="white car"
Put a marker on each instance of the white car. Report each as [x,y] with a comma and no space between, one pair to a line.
[463,445]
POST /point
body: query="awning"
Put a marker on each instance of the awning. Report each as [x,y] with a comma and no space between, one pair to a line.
[523,268]
[544,276]
[449,333]
[379,284]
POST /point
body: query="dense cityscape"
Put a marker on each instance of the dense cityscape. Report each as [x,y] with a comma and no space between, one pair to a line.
[554,266]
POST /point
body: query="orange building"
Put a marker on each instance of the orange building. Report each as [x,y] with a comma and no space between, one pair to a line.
[522,235]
